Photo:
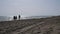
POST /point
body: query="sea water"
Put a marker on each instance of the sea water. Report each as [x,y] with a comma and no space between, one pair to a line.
[4,18]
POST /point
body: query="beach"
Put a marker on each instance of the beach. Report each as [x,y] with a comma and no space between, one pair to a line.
[49,25]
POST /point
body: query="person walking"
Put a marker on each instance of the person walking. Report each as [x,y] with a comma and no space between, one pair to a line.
[19,17]
[15,17]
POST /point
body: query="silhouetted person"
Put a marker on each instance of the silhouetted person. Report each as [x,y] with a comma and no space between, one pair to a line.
[19,17]
[15,17]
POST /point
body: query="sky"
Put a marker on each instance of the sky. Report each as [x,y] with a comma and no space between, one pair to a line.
[29,7]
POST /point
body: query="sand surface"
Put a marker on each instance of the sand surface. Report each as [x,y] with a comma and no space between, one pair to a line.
[49,25]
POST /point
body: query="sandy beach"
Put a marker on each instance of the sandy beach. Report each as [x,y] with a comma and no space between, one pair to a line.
[49,25]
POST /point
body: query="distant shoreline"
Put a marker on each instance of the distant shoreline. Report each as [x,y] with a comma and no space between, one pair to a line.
[22,18]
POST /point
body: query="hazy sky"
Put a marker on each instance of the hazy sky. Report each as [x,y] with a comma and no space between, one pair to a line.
[29,7]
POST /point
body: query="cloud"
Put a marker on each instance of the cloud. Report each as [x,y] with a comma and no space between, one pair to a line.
[29,7]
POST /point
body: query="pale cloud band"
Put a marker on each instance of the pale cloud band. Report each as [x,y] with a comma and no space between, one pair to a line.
[29,7]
